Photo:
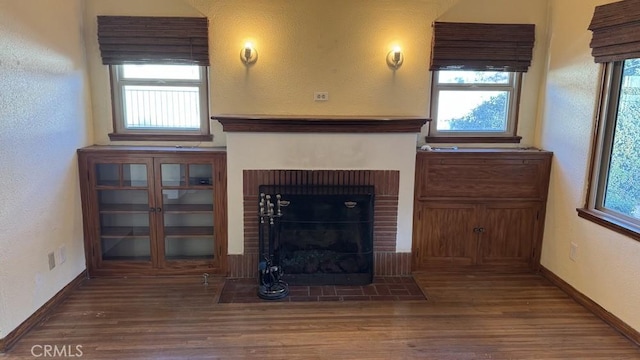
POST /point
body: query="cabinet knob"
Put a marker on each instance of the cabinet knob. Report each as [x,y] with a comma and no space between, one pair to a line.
[152,209]
[158,209]
[481,230]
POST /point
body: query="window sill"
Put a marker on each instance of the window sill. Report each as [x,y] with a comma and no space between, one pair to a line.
[160,137]
[473,139]
[610,222]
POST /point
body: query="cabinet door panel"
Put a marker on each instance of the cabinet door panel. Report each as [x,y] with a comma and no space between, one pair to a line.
[122,197]
[510,230]
[444,234]
[186,231]
[474,178]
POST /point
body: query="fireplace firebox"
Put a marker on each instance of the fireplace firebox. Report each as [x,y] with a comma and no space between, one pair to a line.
[324,235]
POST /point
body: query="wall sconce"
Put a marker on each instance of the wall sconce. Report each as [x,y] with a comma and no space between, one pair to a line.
[248,54]
[395,58]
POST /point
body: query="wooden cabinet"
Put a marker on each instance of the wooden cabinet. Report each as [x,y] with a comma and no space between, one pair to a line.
[479,208]
[151,211]
[435,244]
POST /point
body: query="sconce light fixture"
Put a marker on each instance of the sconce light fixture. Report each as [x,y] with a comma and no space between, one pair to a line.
[248,54]
[395,58]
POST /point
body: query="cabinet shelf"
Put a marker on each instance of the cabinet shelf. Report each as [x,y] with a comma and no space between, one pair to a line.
[124,232]
[180,231]
[118,187]
[188,208]
[129,259]
[144,208]
[172,231]
[190,258]
[123,208]
[187,187]
[109,183]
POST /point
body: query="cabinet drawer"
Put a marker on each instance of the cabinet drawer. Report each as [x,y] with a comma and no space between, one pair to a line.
[481,178]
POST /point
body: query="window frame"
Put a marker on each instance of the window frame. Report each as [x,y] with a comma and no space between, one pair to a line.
[514,89]
[604,129]
[121,133]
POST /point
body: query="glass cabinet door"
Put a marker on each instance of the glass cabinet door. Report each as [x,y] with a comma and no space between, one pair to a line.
[187,207]
[124,211]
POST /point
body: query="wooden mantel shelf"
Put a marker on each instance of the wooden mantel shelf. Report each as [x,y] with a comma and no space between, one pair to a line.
[319,124]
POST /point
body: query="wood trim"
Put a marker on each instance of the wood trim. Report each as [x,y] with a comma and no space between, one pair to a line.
[473,139]
[596,131]
[592,306]
[39,315]
[482,153]
[221,217]
[321,124]
[85,180]
[125,150]
[609,222]
[159,137]
[515,108]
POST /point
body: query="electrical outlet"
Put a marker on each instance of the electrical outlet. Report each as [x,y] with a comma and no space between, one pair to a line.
[62,254]
[321,96]
[52,261]
[573,251]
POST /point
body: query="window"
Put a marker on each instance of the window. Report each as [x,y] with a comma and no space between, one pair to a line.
[160,99]
[477,71]
[613,199]
[159,76]
[615,179]
[474,103]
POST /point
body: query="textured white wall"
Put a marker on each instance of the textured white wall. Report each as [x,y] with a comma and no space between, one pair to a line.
[607,268]
[309,45]
[332,45]
[43,112]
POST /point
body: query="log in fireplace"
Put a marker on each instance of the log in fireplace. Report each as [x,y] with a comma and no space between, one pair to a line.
[325,234]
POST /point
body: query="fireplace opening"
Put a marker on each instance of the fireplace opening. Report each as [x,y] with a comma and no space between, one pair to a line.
[324,235]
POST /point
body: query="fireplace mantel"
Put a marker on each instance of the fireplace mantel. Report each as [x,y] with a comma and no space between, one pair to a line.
[320,124]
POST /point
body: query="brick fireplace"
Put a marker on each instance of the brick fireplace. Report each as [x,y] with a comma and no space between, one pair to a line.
[386,183]
[379,152]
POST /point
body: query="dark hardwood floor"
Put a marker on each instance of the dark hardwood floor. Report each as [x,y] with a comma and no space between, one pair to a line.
[467,316]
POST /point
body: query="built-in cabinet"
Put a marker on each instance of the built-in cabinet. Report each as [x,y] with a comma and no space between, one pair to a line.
[479,208]
[153,210]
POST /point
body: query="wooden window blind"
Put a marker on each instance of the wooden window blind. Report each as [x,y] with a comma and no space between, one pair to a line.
[482,47]
[157,40]
[616,31]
